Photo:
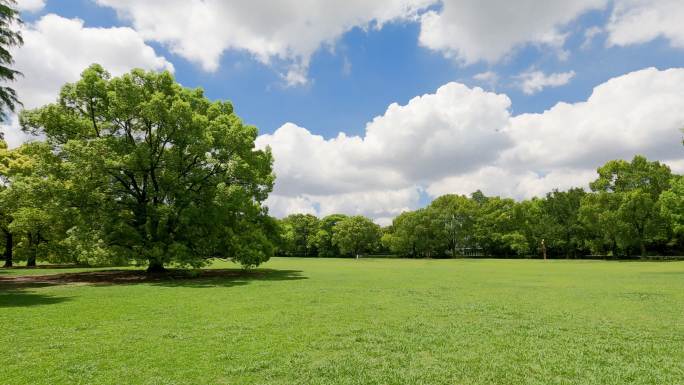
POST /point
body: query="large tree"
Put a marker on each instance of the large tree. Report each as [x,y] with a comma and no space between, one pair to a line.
[401,238]
[417,234]
[299,235]
[356,235]
[636,187]
[639,213]
[599,217]
[454,217]
[495,230]
[560,212]
[158,172]
[10,37]
[324,236]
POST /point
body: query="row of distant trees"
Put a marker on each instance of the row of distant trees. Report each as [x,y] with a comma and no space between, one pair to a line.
[335,235]
[633,208]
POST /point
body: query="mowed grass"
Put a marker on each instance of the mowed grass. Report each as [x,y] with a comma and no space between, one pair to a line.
[368,321]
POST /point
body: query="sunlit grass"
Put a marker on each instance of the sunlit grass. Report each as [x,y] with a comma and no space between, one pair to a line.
[368,321]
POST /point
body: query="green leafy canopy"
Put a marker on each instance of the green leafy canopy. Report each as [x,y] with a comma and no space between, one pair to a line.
[158,172]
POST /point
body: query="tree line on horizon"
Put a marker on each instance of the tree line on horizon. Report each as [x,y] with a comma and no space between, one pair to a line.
[632,209]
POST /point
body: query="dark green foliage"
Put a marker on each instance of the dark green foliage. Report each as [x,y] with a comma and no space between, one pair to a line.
[324,236]
[635,209]
[336,235]
[299,234]
[411,235]
[671,203]
[356,235]
[563,233]
[9,37]
[631,214]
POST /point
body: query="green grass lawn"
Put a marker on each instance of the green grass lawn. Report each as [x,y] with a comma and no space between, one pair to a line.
[371,321]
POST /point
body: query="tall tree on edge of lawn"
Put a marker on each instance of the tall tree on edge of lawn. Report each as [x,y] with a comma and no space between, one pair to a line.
[356,235]
[160,172]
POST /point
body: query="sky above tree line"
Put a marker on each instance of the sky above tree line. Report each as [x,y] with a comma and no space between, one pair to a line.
[375,107]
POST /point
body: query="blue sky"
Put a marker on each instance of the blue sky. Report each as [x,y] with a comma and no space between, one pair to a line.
[365,71]
[351,60]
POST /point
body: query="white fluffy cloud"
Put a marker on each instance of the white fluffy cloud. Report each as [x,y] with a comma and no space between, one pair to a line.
[640,112]
[497,179]
[285,30]
[640,21]
[289,31]
[475,30]
[455,130]
[286,33]
[531,82]
[30,5]
[57,49]
[461,139]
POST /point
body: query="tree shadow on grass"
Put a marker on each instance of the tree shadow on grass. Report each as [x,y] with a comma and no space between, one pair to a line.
[15,290]
[184,278]
[19,297]
[225,277]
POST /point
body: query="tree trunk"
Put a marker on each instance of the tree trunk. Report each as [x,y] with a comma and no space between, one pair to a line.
[9,245]
[155,267]
[642,247]
[31,261]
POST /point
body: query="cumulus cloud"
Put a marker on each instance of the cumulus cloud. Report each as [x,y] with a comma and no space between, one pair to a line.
[462,139]
[454,130]
[475,30]
[57,49]
[500,180]
[271,31]
[30,5]
[640,21]
[640,112]
[531,82]
[288,32]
